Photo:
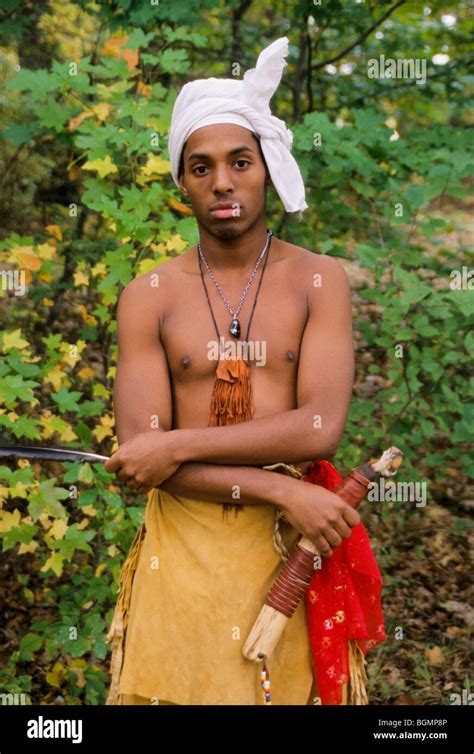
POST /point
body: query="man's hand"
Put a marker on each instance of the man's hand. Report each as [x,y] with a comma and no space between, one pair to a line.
[320,515]
[145,461]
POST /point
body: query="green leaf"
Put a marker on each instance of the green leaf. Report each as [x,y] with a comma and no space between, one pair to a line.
[29,644]
[46,500]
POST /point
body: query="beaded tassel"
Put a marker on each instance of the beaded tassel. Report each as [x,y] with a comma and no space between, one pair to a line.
[265,684]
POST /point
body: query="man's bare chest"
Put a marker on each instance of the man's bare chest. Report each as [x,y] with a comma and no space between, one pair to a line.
[193,341]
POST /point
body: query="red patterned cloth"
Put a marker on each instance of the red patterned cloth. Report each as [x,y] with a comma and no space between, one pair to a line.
[343,600]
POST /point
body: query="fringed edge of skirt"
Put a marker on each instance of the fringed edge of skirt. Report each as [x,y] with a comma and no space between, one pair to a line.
[357,675]
[118,627]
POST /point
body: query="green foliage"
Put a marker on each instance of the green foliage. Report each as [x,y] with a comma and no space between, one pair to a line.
[387,167]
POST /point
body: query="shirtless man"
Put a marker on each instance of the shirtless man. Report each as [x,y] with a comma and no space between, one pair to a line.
[163,387]
[164,371]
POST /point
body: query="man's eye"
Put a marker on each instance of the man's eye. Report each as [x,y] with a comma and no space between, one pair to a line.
[199,167]
[247,162]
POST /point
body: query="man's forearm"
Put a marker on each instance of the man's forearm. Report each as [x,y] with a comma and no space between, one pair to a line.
[229,484]
[290,437]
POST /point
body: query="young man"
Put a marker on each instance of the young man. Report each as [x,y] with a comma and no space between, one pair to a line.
[196,421]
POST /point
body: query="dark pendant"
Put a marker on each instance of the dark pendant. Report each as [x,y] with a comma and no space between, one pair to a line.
[234,328]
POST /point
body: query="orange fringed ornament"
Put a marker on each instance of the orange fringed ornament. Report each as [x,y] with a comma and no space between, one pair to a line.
[232,400]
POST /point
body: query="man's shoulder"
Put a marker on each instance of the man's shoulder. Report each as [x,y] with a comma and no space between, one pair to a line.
[148,283]
[306,260]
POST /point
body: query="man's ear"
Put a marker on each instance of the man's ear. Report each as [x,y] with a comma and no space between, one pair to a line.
[182,185]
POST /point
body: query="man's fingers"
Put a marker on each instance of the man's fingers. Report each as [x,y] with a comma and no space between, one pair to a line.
[351,517]
[113,463]
[343,529]
[332,536]
[324,548]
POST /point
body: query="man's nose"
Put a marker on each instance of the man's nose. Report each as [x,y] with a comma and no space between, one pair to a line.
[223,181]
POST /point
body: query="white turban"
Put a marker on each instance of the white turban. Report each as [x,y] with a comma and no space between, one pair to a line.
[245,103]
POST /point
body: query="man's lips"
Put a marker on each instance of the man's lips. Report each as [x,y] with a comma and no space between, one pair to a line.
[223,213]
[226,209]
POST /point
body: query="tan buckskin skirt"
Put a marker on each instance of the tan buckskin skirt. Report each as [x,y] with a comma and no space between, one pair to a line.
[191,589]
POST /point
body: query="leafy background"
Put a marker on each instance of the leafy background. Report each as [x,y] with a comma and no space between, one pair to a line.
[87,202]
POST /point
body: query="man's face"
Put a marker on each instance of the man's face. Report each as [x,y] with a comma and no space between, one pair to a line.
[223,165]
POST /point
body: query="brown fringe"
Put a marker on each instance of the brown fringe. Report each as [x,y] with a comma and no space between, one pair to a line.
[118,628]
[231,402]
[358,676]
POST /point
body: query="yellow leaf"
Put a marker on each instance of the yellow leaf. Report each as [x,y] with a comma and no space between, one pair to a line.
[85,315]
[55,563]
[19,490]
[88,605]
[47,302]
[99,269]
[72,352]
[68,434]
[144,89]
[82,524]
[55,231]
[89,510]
[29,261]
[77,120]
[131,58]
[58,529]
[100,391]
[155,165]
[176,243]
[103,166]
[80,278]
[181,208]
[100,569]
[435,656]
[53,679]
[45,521]
[112,551]
[102,110]
[9,520]
[114,47]
[101,432]
[28,549]
[46,251]
[146,265]
[160,248]
[14,340]
[17,250]
[55,377]
[78,662]
[86,373]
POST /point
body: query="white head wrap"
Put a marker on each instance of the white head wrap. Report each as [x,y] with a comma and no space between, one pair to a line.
[245,103]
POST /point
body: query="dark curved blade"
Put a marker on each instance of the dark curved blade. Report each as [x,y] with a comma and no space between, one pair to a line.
[41,453]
